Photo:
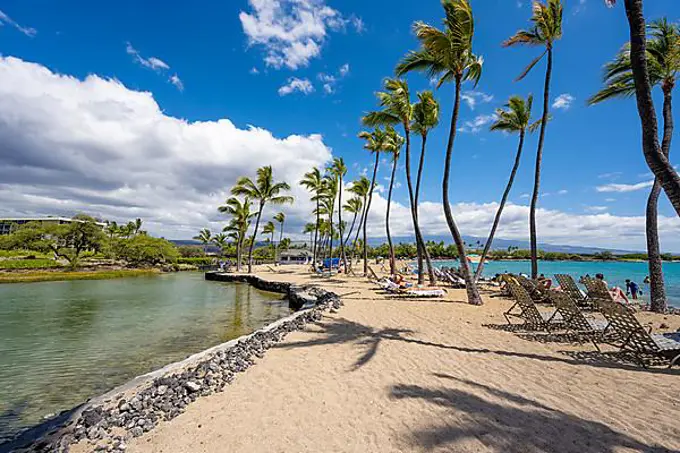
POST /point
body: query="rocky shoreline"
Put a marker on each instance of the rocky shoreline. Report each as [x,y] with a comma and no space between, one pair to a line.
[109,421]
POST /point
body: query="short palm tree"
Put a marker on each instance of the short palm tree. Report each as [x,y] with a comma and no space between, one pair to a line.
[281,219]
[663,57]
[270,229]
[375,144]
[338,169]
[204,237]
[546,29]
[447,54]
[514,119]
[361,188]
[312,229]
[640,68]
[354,206]
[266,191]
[313,181]
[240,222]
[220,240]
[393,148]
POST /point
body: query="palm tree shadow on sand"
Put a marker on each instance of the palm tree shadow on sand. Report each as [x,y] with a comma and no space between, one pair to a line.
[516,424]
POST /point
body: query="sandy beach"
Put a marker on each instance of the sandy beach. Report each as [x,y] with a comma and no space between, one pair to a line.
[388,375]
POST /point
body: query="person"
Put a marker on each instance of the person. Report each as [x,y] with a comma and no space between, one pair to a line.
[545,282]
[632,288]
[646,280]
[617,293]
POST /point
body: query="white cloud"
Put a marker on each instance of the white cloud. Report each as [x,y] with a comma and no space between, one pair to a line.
[254,71]
[344,70]
[152,62]
[472,97]
[328,88]
[98,147]
[292,32]
[294,84]
[563,101]
[624,187]
[331,81]
[562,192]
[524,195]
[596,208]
[611,175]
[474,126]
[326,78]
[175,80]
[28,31]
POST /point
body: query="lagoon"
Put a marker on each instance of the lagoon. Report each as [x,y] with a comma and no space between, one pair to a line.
[64,342]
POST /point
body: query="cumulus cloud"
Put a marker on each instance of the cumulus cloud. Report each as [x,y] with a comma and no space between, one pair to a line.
[624,187]
[96,146]
[294,84]
[563,101]
[472,97]
[292,32]
[28,31]
[475,125]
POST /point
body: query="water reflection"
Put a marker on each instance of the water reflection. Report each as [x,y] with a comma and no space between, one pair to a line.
[63,342]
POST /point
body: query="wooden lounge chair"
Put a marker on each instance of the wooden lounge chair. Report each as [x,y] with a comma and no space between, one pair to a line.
[532,317]
[575,321]
[636,339]
[569,286]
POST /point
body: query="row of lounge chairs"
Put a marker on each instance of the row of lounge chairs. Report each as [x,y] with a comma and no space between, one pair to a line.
[620,327]
[394,289]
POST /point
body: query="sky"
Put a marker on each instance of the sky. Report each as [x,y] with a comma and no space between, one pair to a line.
[128,109]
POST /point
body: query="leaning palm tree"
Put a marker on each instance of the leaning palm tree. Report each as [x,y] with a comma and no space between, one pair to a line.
[375,144]
[270,229]
[354,206]
[425,118]
[393,148]
[338,169]
[204,237]
[396,108]
[447,54]
[663,56]
[240,222]
[361,188]
[280,218]
[265,191]
[547,28]
[515,119]
[656,160]
[313,181]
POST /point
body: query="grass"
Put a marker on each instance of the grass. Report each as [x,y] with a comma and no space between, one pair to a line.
[23,253]
[28,263]
[29,277]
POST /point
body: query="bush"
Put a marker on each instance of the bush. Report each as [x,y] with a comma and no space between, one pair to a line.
[191,251]
[146,250]
[36,263]
[196,261]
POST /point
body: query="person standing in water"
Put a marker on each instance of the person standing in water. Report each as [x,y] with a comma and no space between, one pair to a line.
[632,288]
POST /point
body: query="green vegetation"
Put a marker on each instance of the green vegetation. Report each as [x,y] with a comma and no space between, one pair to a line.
[28,263]
[30,277]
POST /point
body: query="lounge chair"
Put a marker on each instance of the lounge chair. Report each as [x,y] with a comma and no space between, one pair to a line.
[596,290]
[533,288]
[533,318]
[394,289]
[569,286]
[372,275]
[452,279]
[638,340]
[575,321]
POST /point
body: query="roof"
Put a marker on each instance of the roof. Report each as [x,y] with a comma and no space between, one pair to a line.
[294,253]
[43,219]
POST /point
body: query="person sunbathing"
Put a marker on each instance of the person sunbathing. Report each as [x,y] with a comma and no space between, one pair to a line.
[617,293]
[399,280]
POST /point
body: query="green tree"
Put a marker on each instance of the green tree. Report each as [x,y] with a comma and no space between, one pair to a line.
[312,229]
[515,119]
[270,229]
[447,54]
[546,29]
[313,181]
[69,241]
[204,237]
[360,188]
[330,194]
[393,148]
[143,250]
[266,191]
[281,219]
[338,169]
[221,241]
[240,222]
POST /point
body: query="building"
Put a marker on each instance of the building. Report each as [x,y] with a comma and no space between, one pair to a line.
[10,224]
[295,256]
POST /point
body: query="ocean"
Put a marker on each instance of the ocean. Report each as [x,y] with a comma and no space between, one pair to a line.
[615,272]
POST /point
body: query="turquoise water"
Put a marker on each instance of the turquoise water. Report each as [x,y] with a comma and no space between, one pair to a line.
[64,342]
[615,272]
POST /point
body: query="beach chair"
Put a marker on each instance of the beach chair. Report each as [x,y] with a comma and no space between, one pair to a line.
[372,275]
[569,286]
[575,321]
[596,290]
[452,279]
[533,318]
[636,339]
[533,288]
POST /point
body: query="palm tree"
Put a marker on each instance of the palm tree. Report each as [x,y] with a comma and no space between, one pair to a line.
[269,228]
[393,147]
[663,56]
[354,206]
[240,222]
[360,188]
[313,181]
[137,226]
[425,118]
[280,218]
[338,169]
[513,120]
[547,28]
[656,160]
[220,240]
[312,229]
[447,54]
[265,191]
[204,236]
[375,144]
[330,193]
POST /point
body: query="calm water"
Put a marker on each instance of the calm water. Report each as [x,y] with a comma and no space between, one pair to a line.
[615,272]
[63,342]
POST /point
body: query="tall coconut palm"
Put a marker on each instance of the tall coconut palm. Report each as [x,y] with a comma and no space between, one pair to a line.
[397,109]
[393,148]
[546,29]
[447,54]
[312,229]
[266,191]
[354,206]
[330,194]
[515,119]
[280,218]
[663,56]
[204,237]
[338,169]
[313,181]
[425,118]
[270,229]
[240,222]
[375,144]
[361,188]
[656,160]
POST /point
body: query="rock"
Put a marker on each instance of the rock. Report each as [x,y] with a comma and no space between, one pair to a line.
[161,389]
[136,404]
[123,406]
[136,431]
[141,422]
[122,446]
[192,386]
[92,416]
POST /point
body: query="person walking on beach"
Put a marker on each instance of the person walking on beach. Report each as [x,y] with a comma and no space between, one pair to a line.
[632,288]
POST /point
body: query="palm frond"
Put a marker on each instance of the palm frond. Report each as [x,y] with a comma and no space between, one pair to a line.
[530,66]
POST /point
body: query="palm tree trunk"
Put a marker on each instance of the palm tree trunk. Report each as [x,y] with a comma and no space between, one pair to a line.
[351,229]
[239,244]
[470,286]
[420,242]
[361,221]
[330,236]
[537,174]
[504,198]
[316,231]
[368,208]
[656,160]
[280,240]
[342,243]
[252,244]
[393,262]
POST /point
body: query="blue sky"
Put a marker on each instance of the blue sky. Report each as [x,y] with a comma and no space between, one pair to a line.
[233,60]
